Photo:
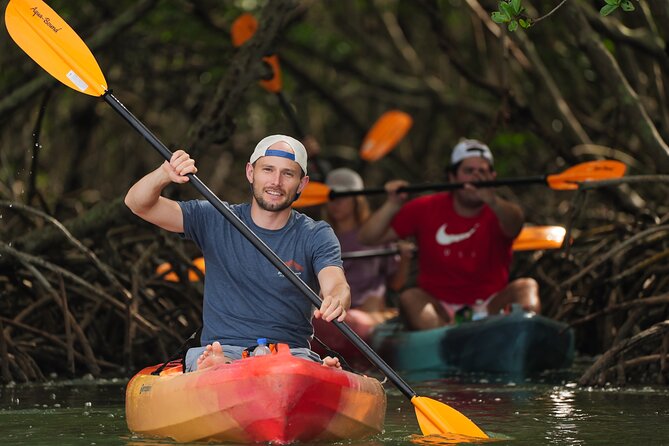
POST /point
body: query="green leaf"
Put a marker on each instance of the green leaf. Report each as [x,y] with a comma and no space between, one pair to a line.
[627,5]
[525,23]
[515,5]
[513,26]
[506,9]
[613,2]
[608,9]
[497,17]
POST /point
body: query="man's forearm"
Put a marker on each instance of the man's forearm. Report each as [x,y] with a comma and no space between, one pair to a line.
[145,194]
[510,216]
[376,227]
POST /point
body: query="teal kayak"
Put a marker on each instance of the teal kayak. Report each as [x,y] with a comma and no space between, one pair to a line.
[517,343]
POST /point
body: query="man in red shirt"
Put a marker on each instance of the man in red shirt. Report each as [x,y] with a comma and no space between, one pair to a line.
[464,243]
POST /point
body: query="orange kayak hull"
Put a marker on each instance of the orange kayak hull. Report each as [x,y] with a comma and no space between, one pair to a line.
[277,398]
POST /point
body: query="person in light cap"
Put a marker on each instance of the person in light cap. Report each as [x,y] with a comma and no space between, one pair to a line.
[367,277]
[464,244]
[245,297]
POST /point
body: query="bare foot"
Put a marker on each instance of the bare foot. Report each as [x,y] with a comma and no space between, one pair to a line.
[329,361]
[212,355]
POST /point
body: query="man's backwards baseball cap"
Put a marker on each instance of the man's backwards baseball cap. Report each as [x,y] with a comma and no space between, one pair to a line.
[263,149]
[469,148]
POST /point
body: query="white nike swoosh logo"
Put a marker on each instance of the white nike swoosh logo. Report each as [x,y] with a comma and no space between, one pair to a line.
[444,238]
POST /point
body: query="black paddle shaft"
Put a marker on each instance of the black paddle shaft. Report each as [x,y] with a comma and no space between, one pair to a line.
[225,210]
[541,179]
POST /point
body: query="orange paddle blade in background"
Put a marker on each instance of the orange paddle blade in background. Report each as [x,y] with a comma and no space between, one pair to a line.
[34,26]
[313,194]
[199,264]
[242,29]
[171,276]
[588,171]
[275,84]
[388,130]
[533,238]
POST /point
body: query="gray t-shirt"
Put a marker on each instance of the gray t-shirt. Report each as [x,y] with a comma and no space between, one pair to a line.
[245,296]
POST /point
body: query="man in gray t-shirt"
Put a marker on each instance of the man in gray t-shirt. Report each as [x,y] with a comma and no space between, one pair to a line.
[245,296]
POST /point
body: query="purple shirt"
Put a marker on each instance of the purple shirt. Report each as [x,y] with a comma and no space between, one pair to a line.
[366,276]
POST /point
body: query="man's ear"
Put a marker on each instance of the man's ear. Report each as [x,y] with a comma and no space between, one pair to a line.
[303,183]
[249,172]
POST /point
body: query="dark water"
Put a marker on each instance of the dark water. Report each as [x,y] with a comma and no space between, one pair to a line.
[531,412]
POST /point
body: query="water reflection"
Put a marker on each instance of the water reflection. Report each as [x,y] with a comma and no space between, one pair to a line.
[564,416]
[514,413]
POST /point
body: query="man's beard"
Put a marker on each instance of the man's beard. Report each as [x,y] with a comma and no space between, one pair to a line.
[272,207]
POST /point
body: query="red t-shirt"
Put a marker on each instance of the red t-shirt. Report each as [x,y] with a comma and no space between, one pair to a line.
[460,259]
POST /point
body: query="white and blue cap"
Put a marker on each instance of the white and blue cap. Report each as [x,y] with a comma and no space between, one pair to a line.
[299,154]
[470,148]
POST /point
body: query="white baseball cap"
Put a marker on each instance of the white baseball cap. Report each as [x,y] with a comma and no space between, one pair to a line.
[469,148]
[299,154]
[343,180]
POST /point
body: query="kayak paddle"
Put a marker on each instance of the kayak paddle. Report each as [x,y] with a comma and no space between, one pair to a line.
[51,42]
[319,193]
[531,238]
[242,29]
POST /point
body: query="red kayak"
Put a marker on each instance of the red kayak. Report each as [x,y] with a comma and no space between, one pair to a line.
[276,398]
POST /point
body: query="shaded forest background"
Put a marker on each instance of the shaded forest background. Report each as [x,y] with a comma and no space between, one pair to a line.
[78,287]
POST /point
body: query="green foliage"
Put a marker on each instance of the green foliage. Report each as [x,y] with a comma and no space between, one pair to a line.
[511,13]
[612,5]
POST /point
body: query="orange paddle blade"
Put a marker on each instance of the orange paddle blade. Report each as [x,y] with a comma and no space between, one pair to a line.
[50,42]
[436,418]
[588,171]
[275,84]
[171,276]
[166,268]
[532,238]
[314,194]
[242,29]
[384,135]
[199,264]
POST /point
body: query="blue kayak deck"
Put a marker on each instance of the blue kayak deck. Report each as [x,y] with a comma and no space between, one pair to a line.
[518,343]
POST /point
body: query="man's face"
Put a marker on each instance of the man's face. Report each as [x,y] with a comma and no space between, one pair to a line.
[276,181]
[472,170]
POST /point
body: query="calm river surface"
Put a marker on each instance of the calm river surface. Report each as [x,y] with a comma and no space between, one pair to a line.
[531,412]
